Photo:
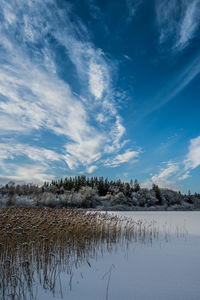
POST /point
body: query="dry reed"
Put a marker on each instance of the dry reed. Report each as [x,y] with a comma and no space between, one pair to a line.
[37,244]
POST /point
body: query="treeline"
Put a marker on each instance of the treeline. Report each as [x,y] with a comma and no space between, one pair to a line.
[94,192]
[101,185]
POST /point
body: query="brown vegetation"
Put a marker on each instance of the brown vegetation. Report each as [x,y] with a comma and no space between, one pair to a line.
[43,242]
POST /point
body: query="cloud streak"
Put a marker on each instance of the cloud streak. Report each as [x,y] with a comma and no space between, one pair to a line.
[132,7]
[178,21]
[10,151]
[125,157]
[34,97]
[36,174]
[174,172]
[192,159]
[171,90]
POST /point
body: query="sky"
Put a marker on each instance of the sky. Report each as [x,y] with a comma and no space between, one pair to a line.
[100,88]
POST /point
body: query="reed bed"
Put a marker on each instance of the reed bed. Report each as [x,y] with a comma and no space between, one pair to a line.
[38,244]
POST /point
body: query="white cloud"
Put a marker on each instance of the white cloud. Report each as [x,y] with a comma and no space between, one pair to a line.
[100,118]
[178,21]
[128,155]
[8,123]
[168,176]
[164,178]
[189,24]
[29,174]
[37,171]
[117,132]
[184,176]
[92,67]
[32,173]
[91,169]
[34,153]
[34,98]
[86,152]
[45,101]
[192,160]
[96,80]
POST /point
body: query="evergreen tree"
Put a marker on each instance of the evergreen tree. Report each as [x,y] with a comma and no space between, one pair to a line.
[136,186]
[127,190]
[157,192]
[189,197]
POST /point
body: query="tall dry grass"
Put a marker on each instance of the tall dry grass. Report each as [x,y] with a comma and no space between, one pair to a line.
[38,244]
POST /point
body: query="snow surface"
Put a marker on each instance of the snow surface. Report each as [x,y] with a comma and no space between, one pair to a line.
[166,269]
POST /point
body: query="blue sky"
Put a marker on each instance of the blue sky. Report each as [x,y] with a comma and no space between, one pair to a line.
[100,88]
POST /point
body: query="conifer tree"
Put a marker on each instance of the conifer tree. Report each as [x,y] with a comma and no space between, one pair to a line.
[136,186]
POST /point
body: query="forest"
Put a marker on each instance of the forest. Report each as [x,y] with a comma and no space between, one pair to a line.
[96,193]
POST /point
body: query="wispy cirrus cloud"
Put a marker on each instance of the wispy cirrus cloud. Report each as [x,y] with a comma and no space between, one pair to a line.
[178,21]
[37,170]
[117,133]
[165,178]
[125,157]
[172,173]
[192,159]
[34,97]
[39,154]
[97,80]
[27,173]
[172,89]
[132,6]
[189,24]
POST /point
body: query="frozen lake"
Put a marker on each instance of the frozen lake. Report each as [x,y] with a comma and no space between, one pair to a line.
[166,268]
[162,263]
